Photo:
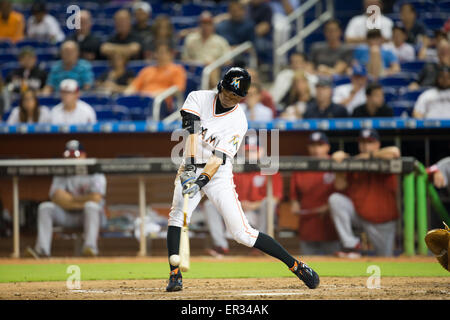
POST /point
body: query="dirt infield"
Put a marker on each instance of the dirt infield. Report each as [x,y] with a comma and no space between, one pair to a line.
[407,288]
[234,289]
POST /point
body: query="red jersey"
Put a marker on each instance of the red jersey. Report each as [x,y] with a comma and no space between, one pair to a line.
[312,190]
[252,186]
[373,195]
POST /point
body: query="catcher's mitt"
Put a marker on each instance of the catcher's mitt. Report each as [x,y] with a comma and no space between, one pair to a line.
[438,241]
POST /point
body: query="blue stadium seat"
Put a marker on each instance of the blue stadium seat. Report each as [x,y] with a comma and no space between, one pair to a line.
[412,66]
[137,65]
[402,108]
[411,95]
[195,69]
[96,99]
[6,44]
[191,9]
[419,5]
[395,81]
[35,44]
[192,84]
[99,69]
[7,57]
[444,6]
[8,67]
[435,23]
[5,116]
[140,107]
[49,101]
[339,80]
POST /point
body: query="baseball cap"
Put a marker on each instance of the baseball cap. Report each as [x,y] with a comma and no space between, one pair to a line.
[205,16]
[359,70]
[324,82]
[369,134]
[144,6]
[318,137]
[68,85]
[73,149]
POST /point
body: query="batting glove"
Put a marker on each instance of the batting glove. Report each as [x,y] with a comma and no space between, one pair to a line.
[188,175]
[191,189]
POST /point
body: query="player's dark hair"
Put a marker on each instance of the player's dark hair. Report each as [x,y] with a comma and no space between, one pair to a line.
[372,87]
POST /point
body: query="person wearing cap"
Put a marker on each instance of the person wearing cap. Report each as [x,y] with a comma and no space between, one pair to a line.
[142,13]
[72,110]
[379,61]
[332,56]
[357,27]
[42,26]
[29,75]
[366,200]
[123,40]
[75,201]
[309,193]
[12,23]
[375,107]
[88,42]
[352,95]
[434,103]
[404,51]
[205,45]
[29,110]
[252,190]
[69,67]
[322,106]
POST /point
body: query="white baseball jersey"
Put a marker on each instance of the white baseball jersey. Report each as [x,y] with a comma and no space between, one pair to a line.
[222,132]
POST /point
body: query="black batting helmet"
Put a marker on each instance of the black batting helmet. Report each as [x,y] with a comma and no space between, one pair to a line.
[236,80]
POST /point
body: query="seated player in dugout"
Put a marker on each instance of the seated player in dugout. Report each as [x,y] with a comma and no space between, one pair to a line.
[366,200]
[75,201]
[309,193]
[216,125]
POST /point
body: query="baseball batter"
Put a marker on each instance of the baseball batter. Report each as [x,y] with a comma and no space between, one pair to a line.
[217,125]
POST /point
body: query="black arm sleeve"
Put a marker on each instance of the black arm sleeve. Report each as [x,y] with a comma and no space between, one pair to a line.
[188,121]
[221,155]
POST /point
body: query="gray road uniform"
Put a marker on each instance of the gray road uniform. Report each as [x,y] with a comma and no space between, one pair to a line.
[91,218]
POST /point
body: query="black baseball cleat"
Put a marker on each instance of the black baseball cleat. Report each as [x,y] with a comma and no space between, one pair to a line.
[306,274]
[175,281]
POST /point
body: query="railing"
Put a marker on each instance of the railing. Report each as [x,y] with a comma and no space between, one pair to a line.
[281,49]
[172,91]
[244,47]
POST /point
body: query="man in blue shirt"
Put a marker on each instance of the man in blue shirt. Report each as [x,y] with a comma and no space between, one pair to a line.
[238,29]
[69,67]
[378,61]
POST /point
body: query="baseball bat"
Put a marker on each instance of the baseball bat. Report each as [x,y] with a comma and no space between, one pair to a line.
[184,239]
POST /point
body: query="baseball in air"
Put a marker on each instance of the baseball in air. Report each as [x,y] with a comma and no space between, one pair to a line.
[174,260]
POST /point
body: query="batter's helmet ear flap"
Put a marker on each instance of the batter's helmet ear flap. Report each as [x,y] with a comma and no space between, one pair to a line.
[219,86]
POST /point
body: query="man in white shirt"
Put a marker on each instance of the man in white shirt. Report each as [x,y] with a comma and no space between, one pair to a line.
[72,110]
[352,94]
[404,51]
[42,26]
[253,108]
[357,27]
[434,103]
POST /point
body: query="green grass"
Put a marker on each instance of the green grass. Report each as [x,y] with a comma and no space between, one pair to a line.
[159,270]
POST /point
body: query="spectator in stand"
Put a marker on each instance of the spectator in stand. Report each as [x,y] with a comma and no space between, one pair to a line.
[434,103]
[298,98]
[366,200]
[29,110]
[375,106]
[153,80]
[118,78]
[28,75]
[75,201]
[309,193]
[379,62]
[404,51]
[356,31]
[69,67]
[260,12]
[162,31]
[12,23]
[266,97]
[353,94]
[88,42]
[205,46]
[123,41]
[415,30]
[427,76]
[331,57]
[253,107]
[238,28]
[284,79]
[322,106]
[252,190]
[142,12]
[42,26]
[71,110]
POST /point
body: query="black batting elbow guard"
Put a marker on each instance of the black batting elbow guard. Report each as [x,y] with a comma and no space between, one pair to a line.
[188,121]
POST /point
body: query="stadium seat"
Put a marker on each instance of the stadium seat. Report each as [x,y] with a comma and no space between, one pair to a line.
[7,57]
[8,67]
[191,9]
[402,108]
[140,107]
[108,113]
[419,5]
[434,23]
[411,95]
[96,99]
[339,80]
[137,65]
[390,94]
[444,6]
[412,66]
[49,101]
[395,81]
[5,44]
